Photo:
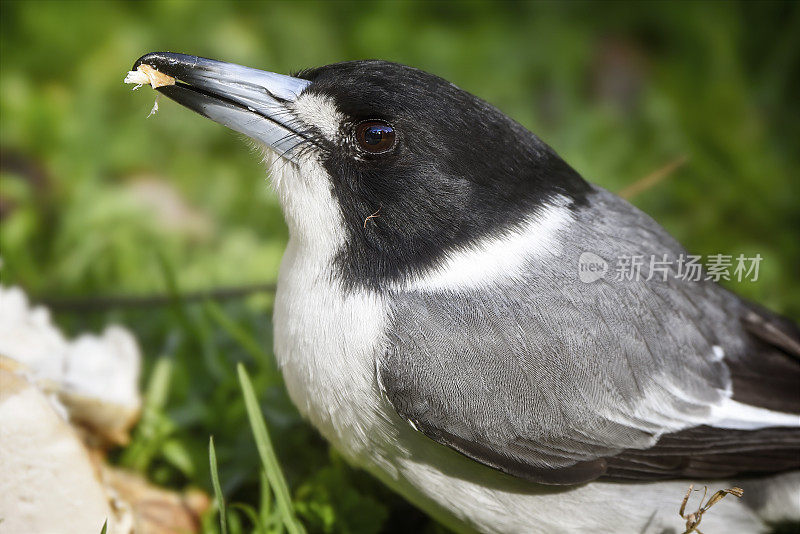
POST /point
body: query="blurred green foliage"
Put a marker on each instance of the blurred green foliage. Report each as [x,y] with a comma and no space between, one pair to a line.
[97,199]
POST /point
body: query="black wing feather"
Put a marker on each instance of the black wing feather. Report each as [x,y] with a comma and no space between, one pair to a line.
[707,452]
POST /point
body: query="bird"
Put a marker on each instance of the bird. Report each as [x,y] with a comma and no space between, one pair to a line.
[433,321]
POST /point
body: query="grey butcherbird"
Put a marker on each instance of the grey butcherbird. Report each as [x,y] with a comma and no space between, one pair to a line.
[431,322]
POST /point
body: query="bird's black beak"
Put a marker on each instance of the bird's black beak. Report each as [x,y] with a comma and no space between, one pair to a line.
[251,101]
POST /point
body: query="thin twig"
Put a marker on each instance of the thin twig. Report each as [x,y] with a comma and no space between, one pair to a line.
[371,217]
[651,180]
[107,302]
[693,519]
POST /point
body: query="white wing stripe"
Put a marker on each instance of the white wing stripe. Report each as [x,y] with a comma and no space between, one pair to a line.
[737,416]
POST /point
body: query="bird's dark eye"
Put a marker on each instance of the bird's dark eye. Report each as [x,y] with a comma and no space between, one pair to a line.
[375,136]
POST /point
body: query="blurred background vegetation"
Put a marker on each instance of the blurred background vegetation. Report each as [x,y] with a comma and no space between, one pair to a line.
[98,200]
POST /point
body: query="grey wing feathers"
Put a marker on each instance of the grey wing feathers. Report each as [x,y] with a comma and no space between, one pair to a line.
[551,379]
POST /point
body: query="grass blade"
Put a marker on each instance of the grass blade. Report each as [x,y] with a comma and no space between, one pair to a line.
[265,507]
[252,515]
[239,334]
[153,427]
[283,499]
[212,458]
[198,328]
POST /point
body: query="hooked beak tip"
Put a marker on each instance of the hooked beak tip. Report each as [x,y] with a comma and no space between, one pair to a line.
[248,100]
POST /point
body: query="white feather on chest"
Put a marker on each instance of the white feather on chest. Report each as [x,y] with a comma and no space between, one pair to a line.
[325,339]
[325,344]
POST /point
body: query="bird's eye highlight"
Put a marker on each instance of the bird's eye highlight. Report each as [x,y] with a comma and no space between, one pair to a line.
[375,136]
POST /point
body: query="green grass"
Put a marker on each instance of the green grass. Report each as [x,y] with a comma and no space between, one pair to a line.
[269,461]
[154,426]
[276,511]
[219,498]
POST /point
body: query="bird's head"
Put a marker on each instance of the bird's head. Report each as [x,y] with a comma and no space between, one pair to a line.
[386,168]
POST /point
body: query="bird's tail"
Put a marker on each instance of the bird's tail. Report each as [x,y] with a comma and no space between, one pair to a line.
[774,499]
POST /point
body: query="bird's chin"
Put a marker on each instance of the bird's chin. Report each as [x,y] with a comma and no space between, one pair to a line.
[250,101]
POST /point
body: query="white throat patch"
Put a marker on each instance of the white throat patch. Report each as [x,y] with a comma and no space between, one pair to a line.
[309,207]
[304,186]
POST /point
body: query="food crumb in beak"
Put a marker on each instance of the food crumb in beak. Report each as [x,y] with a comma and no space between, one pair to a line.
[155,107]
[147,75]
